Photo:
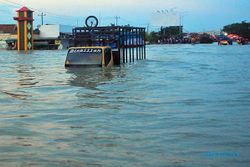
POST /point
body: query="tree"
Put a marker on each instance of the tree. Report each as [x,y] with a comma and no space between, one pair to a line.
[206,38]
[242,29]
[152,37]
[171,31]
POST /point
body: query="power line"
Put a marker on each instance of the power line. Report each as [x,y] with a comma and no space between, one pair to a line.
[14,4]
[54,16]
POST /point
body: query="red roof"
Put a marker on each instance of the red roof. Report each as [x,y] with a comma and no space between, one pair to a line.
[8,28]
[23,9]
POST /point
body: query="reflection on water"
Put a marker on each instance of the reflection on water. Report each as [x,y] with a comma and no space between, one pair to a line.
[169,110]
[90,77]
[27,76]
[15,95]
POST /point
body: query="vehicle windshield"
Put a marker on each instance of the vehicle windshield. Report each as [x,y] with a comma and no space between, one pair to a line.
[84,56]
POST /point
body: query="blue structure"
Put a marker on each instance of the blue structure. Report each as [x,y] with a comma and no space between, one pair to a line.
[128,43]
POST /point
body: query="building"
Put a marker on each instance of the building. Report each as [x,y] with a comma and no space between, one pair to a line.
[127,42]
[8,28]
[8,36]
[52,36]
[49,36]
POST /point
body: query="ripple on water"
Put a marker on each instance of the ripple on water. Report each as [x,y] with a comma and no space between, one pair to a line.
[172,109]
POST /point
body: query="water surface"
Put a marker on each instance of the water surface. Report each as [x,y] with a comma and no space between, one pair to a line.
[186,105]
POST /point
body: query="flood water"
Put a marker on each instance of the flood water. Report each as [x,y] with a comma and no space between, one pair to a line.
[186,105]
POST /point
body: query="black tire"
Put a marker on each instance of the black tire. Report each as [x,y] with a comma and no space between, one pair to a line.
[92,24]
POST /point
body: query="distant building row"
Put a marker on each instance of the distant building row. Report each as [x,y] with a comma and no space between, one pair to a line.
[45,36]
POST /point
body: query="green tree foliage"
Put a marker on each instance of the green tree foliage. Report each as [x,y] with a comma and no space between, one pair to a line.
[206,38]
[242,29]
[171,31]
[152,37]
[165,32]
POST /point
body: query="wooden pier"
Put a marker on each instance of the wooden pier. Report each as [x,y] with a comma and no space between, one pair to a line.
[128,43]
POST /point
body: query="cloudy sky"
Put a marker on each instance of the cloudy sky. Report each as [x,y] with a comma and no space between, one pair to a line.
[196,15]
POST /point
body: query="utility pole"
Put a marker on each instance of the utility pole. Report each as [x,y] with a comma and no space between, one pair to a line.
[116,20]
[42,14]
[180,25]
[100,18]
[148,28]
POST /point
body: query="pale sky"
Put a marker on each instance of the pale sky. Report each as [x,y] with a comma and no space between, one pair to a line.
[197,15]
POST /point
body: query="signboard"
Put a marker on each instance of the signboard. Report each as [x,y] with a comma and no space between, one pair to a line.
[165,19]
[86,50]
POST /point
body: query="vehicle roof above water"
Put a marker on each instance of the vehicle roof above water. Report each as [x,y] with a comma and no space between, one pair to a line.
[91,47]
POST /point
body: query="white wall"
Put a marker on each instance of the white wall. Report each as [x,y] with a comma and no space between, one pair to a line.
[7,36]
[3,45]
[49,31]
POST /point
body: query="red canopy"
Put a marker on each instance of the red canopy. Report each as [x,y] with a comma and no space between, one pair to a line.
[233,36]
